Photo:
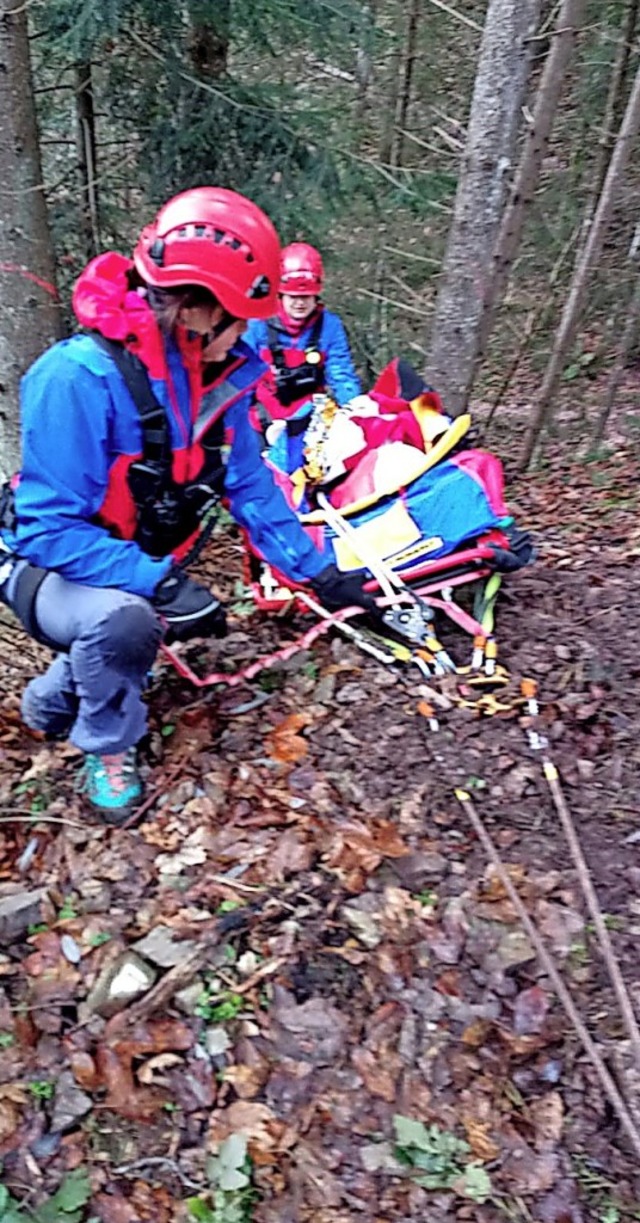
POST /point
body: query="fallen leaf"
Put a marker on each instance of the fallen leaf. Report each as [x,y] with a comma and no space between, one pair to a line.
[284,743]
[547,1116]
[476,1033]
[530,1010]
[9,1118]
[151,1072]
[15,1093]
[378,1076]
[114,1208]
[256,1122]
[292,854]
[482,1145]
[560,926]
[492,888]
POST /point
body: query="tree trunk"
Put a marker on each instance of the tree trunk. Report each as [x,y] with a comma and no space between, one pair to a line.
[209,36]
[364,57]
[390,110]
[30,317]
[570,17]
[87,150]
[615,101]
[627,344]
[590,254]
[498,92]
[406,77]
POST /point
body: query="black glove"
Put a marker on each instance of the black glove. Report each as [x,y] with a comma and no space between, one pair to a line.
[190,610]
[521,551]
[335,590]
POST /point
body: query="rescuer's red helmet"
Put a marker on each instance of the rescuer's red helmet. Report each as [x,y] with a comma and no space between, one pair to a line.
[301,270]
[217,239]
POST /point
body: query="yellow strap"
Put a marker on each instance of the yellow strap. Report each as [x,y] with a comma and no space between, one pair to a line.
[453,435]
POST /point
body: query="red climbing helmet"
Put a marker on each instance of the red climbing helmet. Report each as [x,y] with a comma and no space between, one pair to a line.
[301,270]
[217,239]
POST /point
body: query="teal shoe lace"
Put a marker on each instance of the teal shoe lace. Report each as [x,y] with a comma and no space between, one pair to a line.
[112,782]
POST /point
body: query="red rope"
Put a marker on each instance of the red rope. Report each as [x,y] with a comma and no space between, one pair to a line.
[261,664]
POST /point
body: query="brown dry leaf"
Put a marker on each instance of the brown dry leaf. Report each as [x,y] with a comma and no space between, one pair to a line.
[559,925]
[113,1208]
[284,743]
[247,1081]
[312,1175]
[115,1062]
[15,1093]
[84,1070]
[313,1031]
[156,1036]
[377,1076]
[483,1147]
[9,1119]
[522,1045]
[152,1205]
[400,908]
[291,855]
[530,1010]
[356,850]
[256,1121]
[151,1071]
[476,1033]
[492,888]
[547,1115]
[123,1097]
[527,1172]
[46,956]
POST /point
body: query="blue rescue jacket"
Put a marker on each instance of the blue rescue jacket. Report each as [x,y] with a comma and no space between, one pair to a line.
[81,431]
[340,374]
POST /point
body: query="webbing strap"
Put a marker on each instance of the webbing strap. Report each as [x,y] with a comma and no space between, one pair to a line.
[152,415]
[23,601]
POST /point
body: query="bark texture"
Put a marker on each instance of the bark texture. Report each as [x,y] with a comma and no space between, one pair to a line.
[586,264]
[568,22]
[406,78]
[30,316]
[87,157]
[493,124]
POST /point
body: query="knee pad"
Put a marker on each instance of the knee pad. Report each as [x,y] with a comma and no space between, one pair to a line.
[130,634]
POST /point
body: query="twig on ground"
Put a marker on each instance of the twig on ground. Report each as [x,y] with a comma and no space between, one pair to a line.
[140,811]
[182,974]
[158,1161]
[174,980]
[589,893]
[265,970]
[20,816]
[235,885]
[613,1095]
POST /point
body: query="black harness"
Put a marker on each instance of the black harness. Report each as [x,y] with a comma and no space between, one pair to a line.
[167,512]
[296,381]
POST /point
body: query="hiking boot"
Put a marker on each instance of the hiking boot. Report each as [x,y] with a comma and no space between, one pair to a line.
[112,784]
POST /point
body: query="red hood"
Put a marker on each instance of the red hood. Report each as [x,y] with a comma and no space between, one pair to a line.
[102,301]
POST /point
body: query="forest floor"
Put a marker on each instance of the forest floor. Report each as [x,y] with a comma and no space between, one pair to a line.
[368,1020]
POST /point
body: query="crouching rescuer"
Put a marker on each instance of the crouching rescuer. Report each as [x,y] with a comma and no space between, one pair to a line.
[129,438]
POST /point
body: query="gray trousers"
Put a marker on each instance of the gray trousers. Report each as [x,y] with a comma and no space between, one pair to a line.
[92,693]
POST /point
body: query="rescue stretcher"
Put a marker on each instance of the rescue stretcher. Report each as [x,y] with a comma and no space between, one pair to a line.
[423,515]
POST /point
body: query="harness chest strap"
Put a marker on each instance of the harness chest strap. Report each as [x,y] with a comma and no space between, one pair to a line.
[274,334]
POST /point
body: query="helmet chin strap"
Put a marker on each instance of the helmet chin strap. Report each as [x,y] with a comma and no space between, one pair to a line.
[226,320]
